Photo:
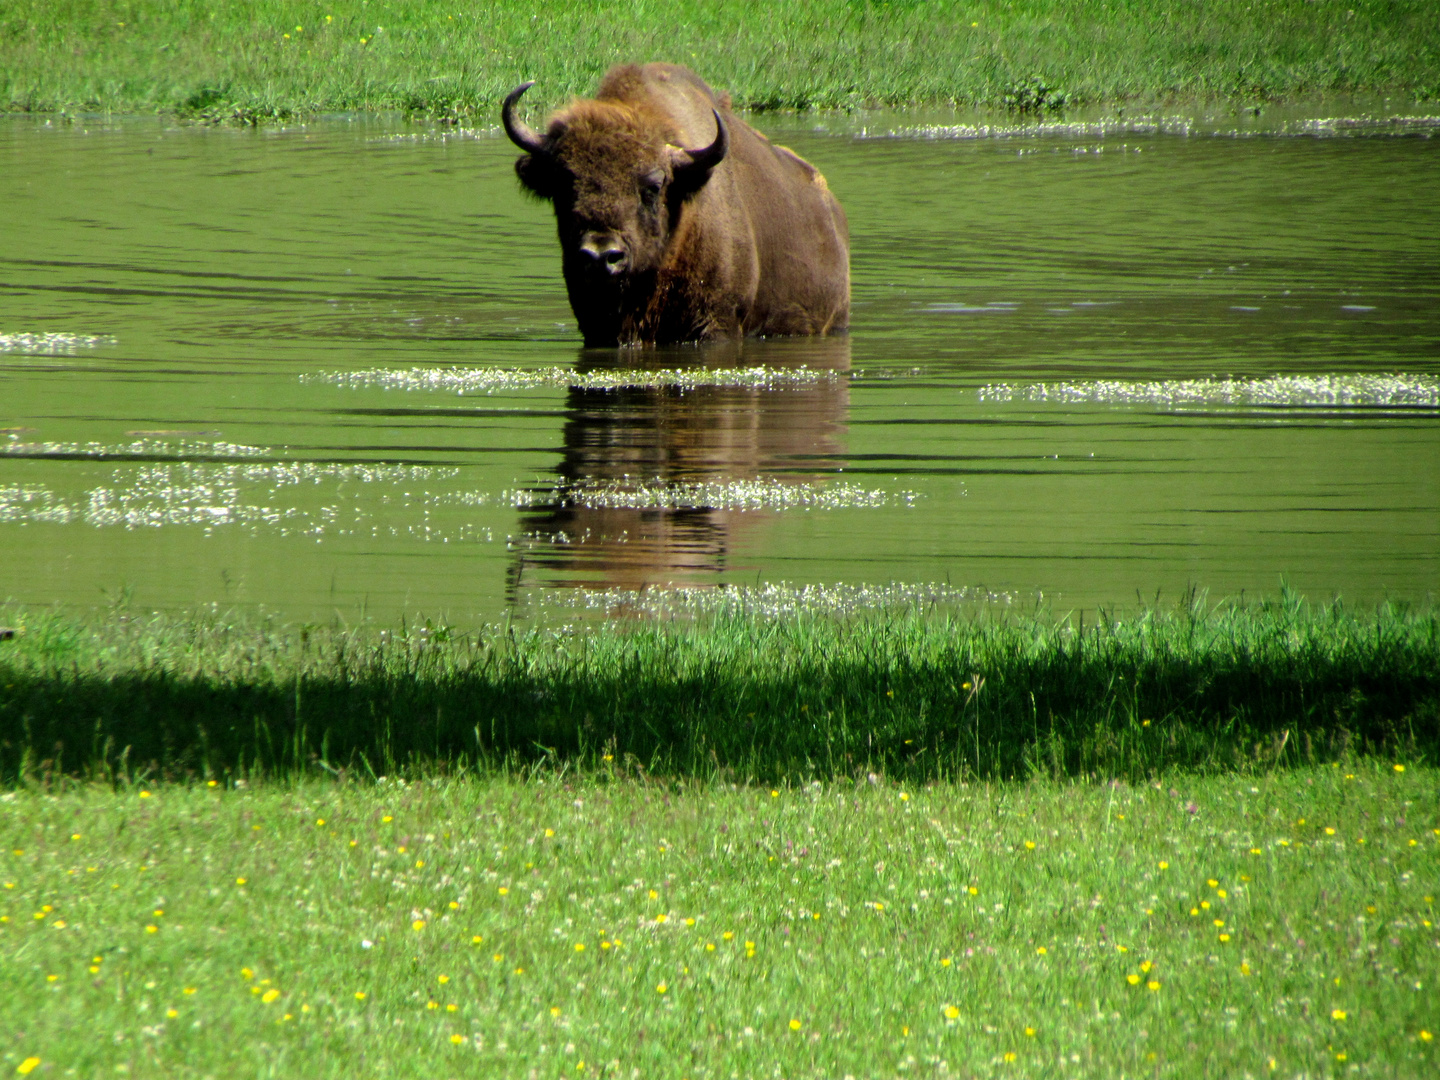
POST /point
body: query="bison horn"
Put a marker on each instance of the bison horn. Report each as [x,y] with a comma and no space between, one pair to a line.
[521,133]
[703,160]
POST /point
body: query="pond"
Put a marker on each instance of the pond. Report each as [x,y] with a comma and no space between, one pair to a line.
[330,370]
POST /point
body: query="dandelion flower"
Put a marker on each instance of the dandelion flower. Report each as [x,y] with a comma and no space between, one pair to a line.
[774,794]
[1337,1014]
[973,891]
[660,988]
[1399,768]
[1010,1055]
[1211,882]
[549,833]
[1224,937]
[1153,984]
[728,935]
[1425,1036]
[1329,831]
[432,1005]
[144,794]
[452,1007]
[172,1013]
[476,940]
[1146,966]
[794,1025]
[359,995]
[945,961]
[951,1012]
[27,1066]
[1244,969]
[709,946]
[1133,979]
[1041,951]
[269,995]
[1029,845]
[457,1038]
[504,891]
[662,917]
[240,881]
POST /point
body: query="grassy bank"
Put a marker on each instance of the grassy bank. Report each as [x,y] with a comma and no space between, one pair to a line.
[588,926]
[269,58]
[905,694]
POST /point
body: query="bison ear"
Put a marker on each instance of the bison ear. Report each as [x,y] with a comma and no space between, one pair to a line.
[537,174]
[693,167]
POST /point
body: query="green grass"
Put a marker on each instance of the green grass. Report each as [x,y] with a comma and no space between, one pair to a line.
[225,58]
[906,693]
[1199,927]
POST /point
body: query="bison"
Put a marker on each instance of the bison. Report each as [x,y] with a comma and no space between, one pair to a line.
[678,221]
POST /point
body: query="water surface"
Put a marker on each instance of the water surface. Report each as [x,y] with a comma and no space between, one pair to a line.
[331,368]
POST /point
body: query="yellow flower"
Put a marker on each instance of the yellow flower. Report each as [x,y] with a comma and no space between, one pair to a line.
[1146,966]
[27,1066]
[1030,1031]
[240,881]
[1211,882]
[144,794]
[579,946]
[457,1039]
[1221,893]
[387,819]
[1425,1036]
[1399,768]
[1029,845]
[1244,969]
[1329,831]
[945,961]
[504,891]
[973,891]
[417,925]
[270,995]
[1337,1014]
[774,794]
[359,995]
[662,917]
[452,1007]
[1041,951]
[689,922]
[904,796]
[432,1005]
[1133,979]
[247,974]
[728,935]
[661,988]
[1224,937]
[951,1012]
[1219,922]
[794,1025]
[1010,1055]
[549,833]
[151,929]
[1153,984]
[444,979]
[320,821]
[172,1013]
[709,946]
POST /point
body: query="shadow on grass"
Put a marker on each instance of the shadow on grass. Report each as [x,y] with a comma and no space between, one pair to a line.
[904,693]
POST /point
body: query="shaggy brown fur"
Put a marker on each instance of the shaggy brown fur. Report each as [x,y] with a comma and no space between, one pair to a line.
[656,250]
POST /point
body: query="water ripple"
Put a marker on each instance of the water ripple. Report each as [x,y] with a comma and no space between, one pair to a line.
[1360,389]
[460,380]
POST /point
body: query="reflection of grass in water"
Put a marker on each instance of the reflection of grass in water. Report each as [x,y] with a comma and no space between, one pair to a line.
[900,691]
[261,59]
[458,926]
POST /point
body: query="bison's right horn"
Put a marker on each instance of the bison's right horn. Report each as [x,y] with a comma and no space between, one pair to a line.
[521,133]
[703,160]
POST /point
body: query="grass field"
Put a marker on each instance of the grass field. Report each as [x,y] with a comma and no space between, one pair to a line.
[586,924]
[256,58]
[912,694]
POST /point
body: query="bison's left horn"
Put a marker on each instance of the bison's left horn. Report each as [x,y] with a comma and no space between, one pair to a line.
[521,133]
[703,160]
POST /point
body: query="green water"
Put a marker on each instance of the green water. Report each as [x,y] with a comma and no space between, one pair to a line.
[331,368]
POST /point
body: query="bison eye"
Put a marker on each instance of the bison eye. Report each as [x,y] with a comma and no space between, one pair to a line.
[650,185]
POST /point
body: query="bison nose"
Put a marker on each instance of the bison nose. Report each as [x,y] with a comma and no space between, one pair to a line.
[605,251]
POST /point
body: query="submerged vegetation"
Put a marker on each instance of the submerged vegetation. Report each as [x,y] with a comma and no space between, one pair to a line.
[237,59]
[581,925]
[905,693]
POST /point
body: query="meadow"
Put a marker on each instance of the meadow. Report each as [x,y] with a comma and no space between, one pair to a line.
[909,692]
[599,922]
[237,59]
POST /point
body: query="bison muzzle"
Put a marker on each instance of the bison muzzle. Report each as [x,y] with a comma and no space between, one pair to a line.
[678,221]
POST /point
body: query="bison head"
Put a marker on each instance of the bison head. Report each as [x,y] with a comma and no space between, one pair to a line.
[618,182]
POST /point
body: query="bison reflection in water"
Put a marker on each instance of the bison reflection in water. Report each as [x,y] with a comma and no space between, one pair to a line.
[678,221]
[614,521]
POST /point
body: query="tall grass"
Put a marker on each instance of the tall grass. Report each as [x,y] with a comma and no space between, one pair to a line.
[908,694]
[252,58]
